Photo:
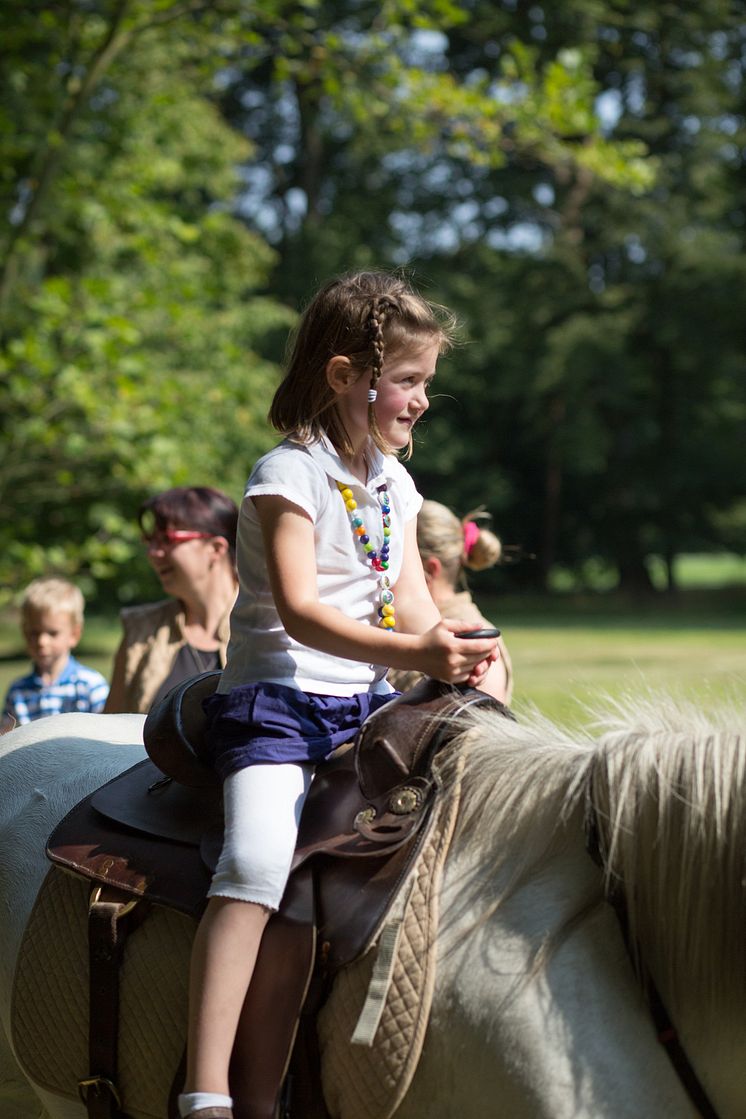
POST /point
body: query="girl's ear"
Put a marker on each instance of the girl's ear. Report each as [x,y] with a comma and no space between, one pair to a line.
[340,375]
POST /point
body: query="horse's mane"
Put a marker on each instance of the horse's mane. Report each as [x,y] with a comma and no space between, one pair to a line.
[668,786]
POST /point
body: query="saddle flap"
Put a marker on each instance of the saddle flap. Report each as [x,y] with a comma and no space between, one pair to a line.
[143,799]
[133,845]
[399,740]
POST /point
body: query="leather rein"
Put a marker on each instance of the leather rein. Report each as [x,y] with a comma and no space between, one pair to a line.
[665,1030]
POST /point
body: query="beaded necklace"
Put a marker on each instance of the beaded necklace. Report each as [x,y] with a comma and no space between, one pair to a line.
[378,561]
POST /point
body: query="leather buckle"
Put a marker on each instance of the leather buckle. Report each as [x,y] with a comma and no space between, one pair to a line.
[125,907]
[97,1084]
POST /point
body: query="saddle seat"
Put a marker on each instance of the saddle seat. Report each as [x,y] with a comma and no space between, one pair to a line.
[154,833]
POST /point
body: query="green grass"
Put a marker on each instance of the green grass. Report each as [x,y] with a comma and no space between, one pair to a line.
[560,670]
[571,652]
[568,651]
[710,570]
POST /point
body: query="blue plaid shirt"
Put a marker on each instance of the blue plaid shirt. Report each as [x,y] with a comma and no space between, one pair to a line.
[77,688]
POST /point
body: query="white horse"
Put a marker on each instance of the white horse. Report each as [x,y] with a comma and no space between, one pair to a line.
[537,1013]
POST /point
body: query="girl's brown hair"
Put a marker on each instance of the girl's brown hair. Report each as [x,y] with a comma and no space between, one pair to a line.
[365,317]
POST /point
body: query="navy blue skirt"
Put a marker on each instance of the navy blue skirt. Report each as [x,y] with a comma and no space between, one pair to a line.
[259,724]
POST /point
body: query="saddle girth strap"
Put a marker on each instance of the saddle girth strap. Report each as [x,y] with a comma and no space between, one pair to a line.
[112,915]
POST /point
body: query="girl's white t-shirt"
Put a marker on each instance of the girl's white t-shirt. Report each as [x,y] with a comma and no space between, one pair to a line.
[259,648]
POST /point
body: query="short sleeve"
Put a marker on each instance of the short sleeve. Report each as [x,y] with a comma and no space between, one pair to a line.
[290,472]
[410,497]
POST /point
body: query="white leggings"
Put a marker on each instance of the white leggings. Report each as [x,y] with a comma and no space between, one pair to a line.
[262,806]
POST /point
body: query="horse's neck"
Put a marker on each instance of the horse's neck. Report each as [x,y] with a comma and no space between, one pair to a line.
[569,1039]
[716,1049]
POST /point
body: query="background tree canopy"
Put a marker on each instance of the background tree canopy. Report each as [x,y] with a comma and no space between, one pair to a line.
[177,177]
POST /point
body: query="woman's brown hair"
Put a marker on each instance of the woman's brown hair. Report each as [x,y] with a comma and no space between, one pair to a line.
[199,508]
[365,317]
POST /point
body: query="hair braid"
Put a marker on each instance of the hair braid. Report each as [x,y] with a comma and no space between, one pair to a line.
[379,313]
[380,309]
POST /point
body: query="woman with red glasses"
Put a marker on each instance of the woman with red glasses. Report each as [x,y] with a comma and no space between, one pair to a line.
[190,536]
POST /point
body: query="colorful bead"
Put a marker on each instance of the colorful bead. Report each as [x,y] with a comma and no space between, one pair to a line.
[379,561]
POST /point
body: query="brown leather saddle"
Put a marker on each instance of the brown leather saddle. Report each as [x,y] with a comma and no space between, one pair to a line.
[153,835]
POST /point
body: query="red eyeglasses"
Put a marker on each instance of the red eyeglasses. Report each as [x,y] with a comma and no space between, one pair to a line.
[170,537]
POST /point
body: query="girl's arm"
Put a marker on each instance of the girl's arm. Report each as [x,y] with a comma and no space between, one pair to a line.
[415,610]
[288,535]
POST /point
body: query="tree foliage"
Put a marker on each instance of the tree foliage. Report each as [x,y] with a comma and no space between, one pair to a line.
[133,309]
[568,177]
[177,174]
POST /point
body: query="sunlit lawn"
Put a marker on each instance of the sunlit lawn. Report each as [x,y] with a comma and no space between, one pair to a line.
[559,670]
[567,652]
[568,655]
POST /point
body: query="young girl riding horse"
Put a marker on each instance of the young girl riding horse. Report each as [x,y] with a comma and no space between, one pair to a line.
[326,539]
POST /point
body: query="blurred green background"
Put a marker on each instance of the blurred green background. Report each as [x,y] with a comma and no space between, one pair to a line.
[176,179]
[569,651]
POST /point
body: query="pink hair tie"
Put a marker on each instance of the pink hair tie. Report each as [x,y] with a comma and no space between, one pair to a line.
[471,534]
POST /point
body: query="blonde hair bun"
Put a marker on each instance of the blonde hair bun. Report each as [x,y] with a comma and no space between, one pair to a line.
[456,543]
[485,550]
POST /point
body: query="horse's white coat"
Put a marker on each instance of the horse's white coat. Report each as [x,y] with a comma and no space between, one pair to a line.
[509,1038]
[46,767]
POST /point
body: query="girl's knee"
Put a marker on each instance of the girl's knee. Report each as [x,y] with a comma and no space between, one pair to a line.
[256,875]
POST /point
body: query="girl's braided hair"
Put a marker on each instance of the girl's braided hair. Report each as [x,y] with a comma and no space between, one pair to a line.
[366,317]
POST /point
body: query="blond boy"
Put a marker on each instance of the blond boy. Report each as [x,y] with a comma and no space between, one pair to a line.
[52,622]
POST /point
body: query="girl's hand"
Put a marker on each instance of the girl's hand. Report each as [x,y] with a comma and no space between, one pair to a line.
[445,657]
[481,670]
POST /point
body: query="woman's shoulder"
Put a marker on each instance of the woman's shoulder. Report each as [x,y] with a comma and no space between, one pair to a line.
[461,607]
[149,616]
